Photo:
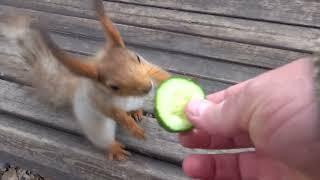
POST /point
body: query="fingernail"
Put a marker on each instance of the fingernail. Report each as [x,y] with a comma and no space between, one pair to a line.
[196,107]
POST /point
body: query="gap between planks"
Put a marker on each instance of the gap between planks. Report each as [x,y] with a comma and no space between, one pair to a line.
[273,35]
[18,99]
[219,71]
[299,13]
[70,155]
[232,51]
[13,68]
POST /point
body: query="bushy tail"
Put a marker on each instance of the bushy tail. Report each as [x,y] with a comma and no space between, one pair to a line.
[48,75]
[30,45]
[13,27]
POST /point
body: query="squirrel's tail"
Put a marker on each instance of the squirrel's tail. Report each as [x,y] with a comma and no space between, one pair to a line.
[48,75]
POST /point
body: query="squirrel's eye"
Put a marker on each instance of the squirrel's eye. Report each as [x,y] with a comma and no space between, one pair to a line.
[139,59]
[114,87]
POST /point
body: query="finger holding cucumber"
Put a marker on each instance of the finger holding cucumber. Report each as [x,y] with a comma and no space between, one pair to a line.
[170,100]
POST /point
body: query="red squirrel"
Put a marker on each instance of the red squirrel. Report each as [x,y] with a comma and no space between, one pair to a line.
[103,90]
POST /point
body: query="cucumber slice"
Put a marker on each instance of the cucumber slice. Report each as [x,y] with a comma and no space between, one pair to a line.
[171,98]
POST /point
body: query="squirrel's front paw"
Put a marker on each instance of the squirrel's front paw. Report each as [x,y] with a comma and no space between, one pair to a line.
[117,152]
[137,115]
[138,132]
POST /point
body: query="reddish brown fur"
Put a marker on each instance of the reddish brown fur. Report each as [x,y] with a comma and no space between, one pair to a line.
[118,67]
[137,115]
[130,75]
[111,31]
[116,71]
[127,122]
[122,117]
[116,151]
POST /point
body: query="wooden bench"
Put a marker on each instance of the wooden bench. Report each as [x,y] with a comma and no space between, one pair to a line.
[220,43]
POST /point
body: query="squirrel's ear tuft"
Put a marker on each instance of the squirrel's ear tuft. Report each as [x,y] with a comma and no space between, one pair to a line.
[113,35]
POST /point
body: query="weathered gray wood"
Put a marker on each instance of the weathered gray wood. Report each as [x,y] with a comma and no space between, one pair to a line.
[227,28]
[183,64]
[18,99]
[234,29]
[34,167]
[179,63]
[301,12]
[160,144]
[194,45]
[75,156]
[12,67]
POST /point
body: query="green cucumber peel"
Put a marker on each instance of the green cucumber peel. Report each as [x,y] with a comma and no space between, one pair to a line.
[171,97]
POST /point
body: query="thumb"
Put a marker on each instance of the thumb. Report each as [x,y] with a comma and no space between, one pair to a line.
[215,118]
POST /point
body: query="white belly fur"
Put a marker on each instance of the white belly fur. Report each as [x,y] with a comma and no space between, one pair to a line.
[128,103]
[100,129]
[133,103]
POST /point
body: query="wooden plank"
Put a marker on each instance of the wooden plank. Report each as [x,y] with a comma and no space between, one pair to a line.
[230,29]
[208,48]
[73,155]
[13,68]
[18,100]
[300,12]
[34,167]
[220,27]
[180,63]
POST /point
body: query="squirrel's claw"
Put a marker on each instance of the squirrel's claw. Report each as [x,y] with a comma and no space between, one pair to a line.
[117,152]
[137,115]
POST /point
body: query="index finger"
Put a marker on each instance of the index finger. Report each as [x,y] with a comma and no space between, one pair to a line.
[220,96]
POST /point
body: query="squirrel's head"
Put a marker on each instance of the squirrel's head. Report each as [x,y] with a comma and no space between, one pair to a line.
[124,72]
[117,69]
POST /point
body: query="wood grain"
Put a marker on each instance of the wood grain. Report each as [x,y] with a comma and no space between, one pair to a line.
[19,100]
[300,12]
[219,27]
[211,40]
[179,63]
[208,48]
[33,166]
[72,155]
[227,28]
[13,68]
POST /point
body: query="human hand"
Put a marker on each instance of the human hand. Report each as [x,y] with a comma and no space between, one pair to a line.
[275,112]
